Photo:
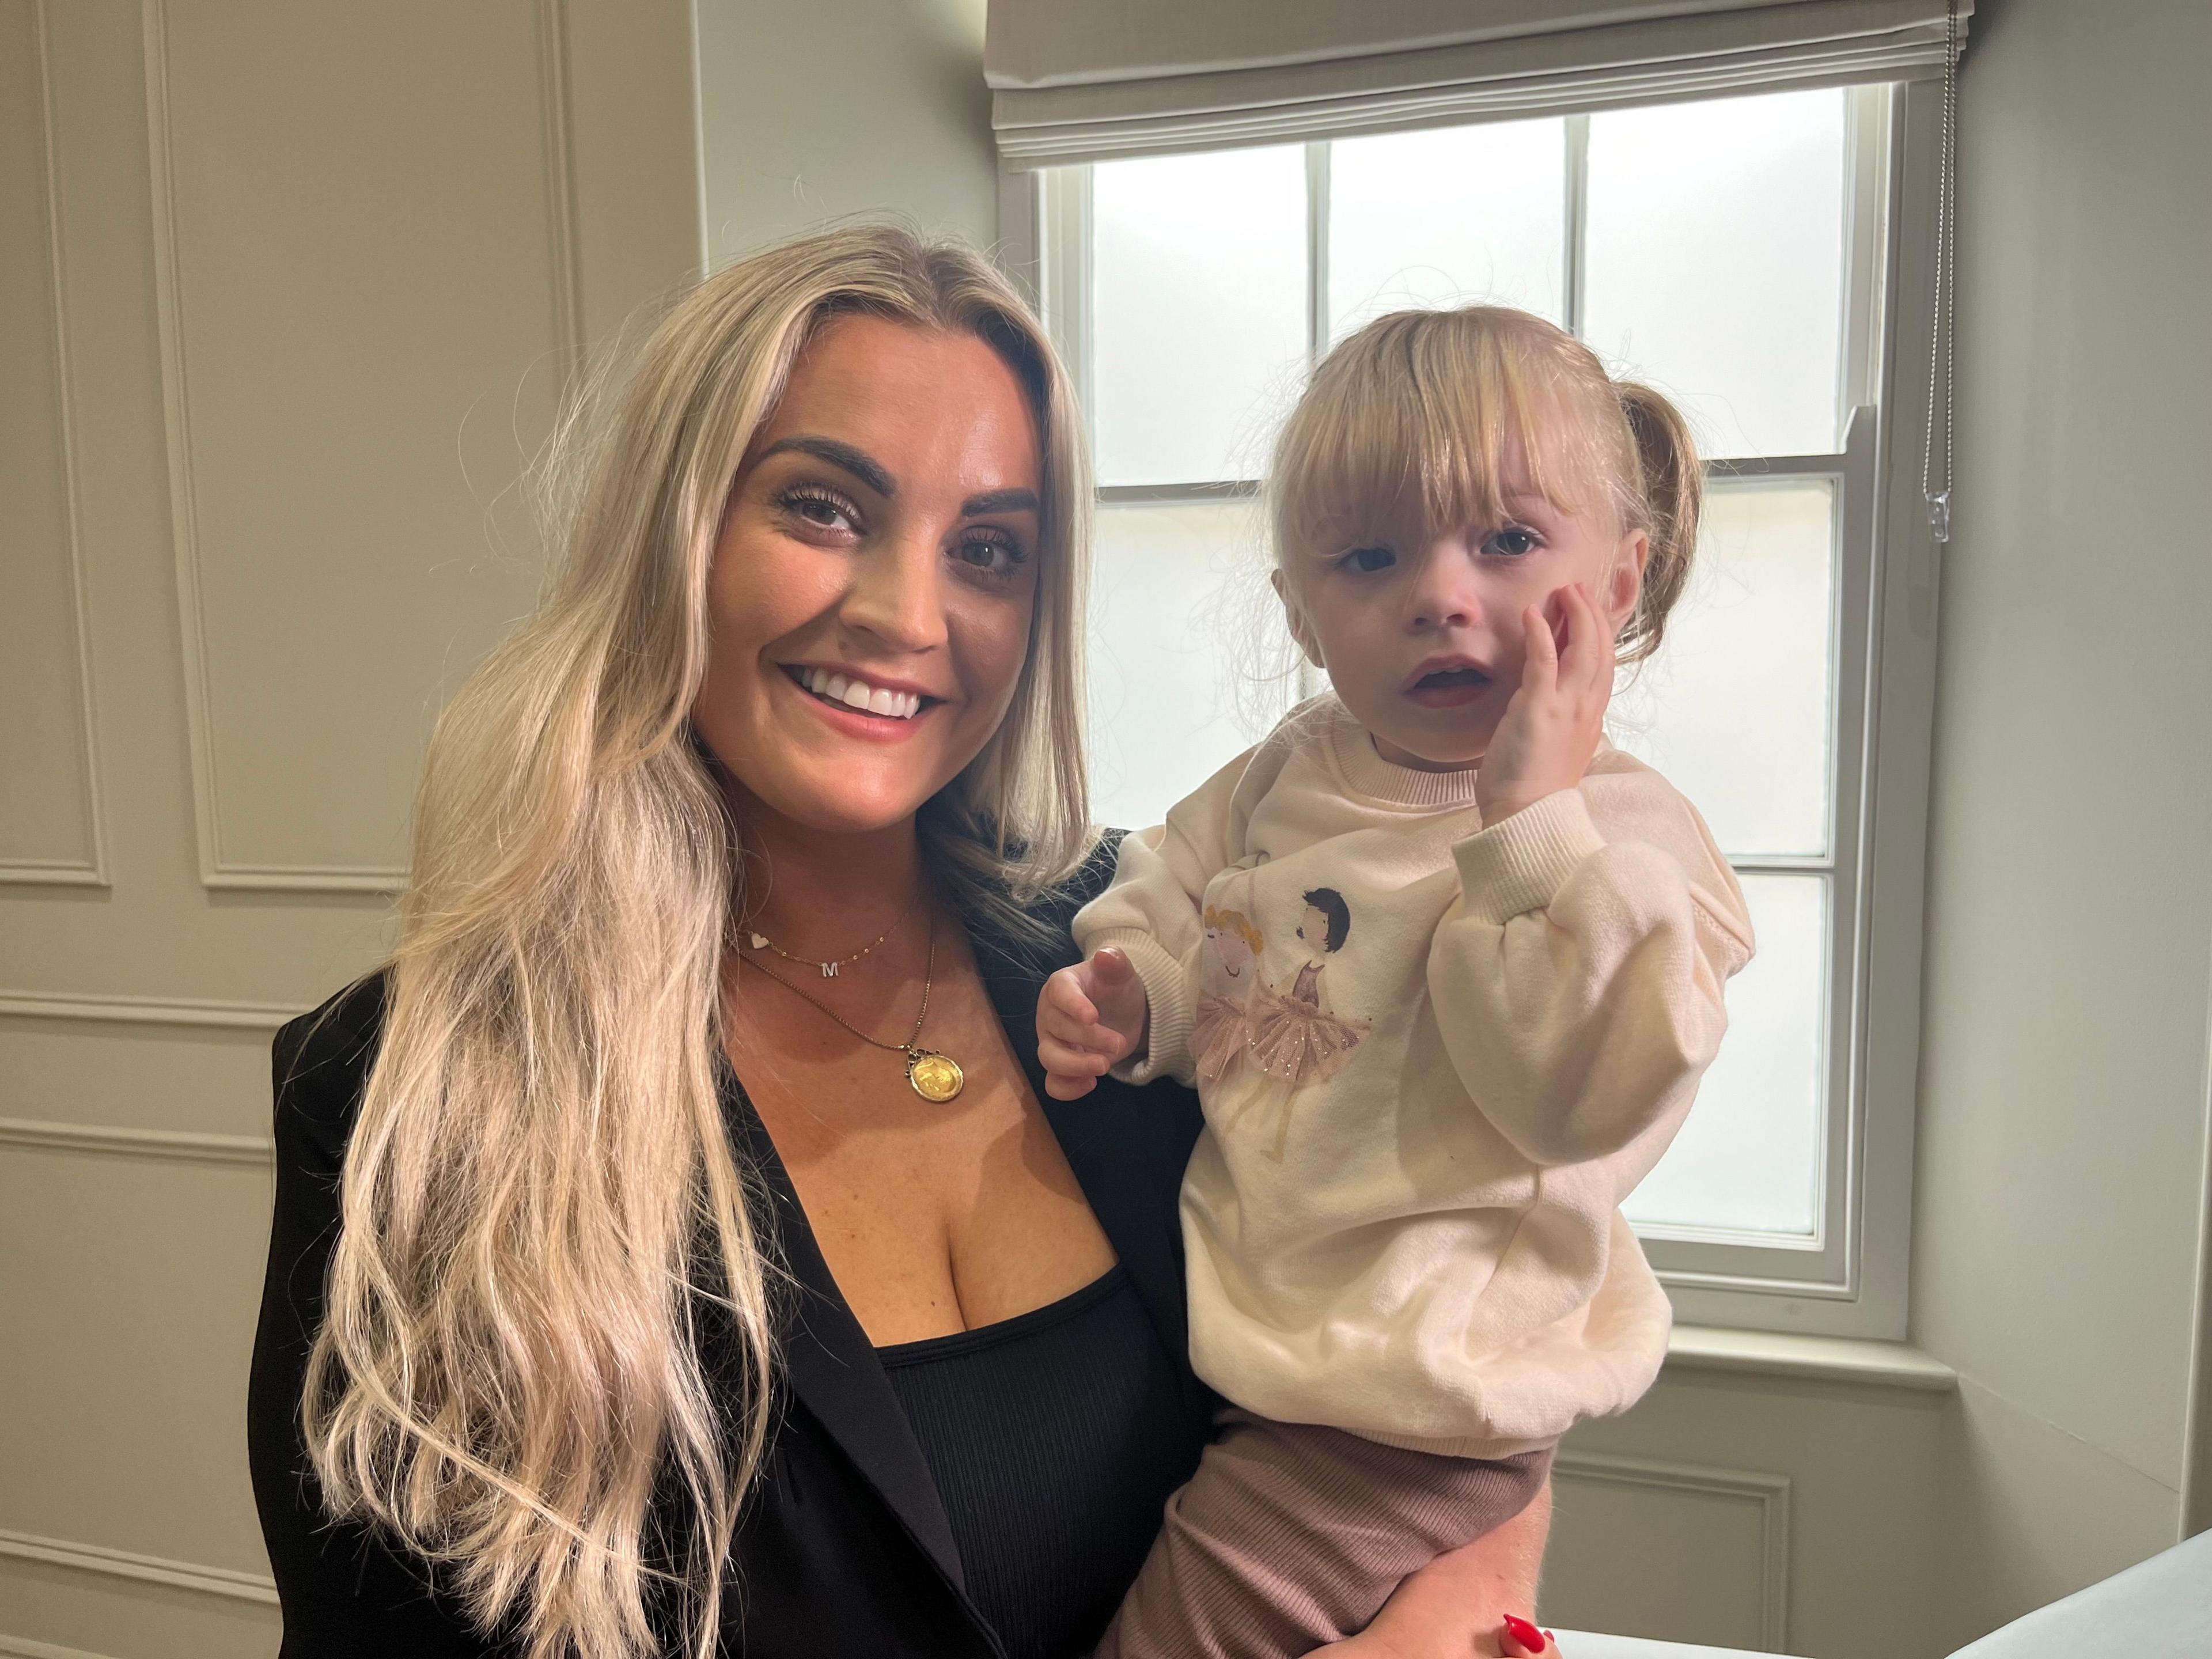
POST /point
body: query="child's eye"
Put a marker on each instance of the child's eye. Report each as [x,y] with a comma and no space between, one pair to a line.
[1369,560]
[1512,542]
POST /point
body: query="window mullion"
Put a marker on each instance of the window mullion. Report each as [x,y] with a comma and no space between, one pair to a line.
[1573,264]
[1317,318]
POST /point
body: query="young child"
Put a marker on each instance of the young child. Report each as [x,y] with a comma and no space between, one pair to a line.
[1445,968]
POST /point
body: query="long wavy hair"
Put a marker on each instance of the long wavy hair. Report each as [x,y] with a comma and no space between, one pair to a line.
[545,1219]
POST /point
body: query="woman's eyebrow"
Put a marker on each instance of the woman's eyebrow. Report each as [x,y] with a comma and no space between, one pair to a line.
[999,500]
[857,462]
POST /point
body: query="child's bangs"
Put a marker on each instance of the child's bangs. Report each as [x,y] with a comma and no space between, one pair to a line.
[1424,425]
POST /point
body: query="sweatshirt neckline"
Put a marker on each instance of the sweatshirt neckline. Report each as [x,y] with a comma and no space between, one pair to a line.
[1369,773]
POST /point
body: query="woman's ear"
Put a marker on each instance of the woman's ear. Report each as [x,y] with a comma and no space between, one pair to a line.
[1624,582]
[1301,630]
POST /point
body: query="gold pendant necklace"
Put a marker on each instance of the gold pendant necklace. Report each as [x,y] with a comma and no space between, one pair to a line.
[936,1077]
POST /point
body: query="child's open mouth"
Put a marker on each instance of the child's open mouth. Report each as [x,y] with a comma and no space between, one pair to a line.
[1449,688]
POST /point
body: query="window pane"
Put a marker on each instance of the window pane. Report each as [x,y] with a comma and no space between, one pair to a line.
[1197,311]
[1735,707]
[1447,218]
[1749,1156]
[1180,622]
[1715,261]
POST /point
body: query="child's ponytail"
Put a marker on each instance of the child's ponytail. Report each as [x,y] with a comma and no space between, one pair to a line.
[1673,493]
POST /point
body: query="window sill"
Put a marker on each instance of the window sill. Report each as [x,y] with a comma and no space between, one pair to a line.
[1825,1358]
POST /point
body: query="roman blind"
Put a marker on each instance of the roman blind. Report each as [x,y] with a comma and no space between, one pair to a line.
[1090,80]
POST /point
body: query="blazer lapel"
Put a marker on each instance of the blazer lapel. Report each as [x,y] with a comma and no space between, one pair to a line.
[831,1365]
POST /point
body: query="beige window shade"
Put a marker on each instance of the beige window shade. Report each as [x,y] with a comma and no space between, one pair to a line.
[1088,79]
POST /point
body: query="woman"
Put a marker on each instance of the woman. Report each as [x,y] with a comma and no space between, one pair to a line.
[674,1251]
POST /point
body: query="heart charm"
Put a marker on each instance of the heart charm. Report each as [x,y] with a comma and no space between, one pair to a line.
[760,941]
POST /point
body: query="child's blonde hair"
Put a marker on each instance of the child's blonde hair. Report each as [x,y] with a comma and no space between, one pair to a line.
[1420,423]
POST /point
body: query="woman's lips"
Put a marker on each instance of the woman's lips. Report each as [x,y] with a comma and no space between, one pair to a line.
[863,723]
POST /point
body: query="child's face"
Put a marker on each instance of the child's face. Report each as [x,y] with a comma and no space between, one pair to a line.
[1425,644]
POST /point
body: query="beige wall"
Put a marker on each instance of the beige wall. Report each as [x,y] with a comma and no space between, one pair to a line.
[286,294]
[2069,930]
[812,109]
[2068,1048]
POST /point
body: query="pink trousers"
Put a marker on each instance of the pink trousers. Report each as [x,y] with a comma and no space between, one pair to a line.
[1291,1536]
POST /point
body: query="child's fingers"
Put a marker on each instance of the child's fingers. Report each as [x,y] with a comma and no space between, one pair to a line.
[1582,664]
[1061,1086]
[1540,664]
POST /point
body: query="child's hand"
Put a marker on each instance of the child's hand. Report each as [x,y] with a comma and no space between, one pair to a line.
[1552,727]
[1089,1017]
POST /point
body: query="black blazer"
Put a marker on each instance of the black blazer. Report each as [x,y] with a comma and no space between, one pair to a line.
[844,1547]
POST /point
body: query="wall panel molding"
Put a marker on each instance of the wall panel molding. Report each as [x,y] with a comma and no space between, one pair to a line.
[556,140]
[22,1646]
[97,1560]
[146,1010]
[1770,1493]
[163,1145]
[91,869]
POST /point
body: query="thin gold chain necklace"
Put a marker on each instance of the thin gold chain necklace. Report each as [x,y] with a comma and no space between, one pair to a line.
[762,942]
[935,1077]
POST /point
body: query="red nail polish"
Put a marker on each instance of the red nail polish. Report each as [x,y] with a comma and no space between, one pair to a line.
[1524,1632]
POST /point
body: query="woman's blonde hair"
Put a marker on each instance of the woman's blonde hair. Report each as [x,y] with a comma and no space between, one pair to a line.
[1420,423]
[544,1220]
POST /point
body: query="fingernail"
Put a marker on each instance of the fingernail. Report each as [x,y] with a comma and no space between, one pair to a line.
[1524,1632]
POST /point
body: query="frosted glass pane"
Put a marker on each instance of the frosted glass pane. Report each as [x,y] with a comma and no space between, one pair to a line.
[1447,218]
[1180,609]
[1714,262]
[1749,1156]
[1735,707]
[1197,311]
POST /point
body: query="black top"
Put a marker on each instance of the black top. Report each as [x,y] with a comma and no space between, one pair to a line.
[844,1546]
[1035,1429]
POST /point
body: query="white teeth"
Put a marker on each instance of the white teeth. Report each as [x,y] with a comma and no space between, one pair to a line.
[859,694]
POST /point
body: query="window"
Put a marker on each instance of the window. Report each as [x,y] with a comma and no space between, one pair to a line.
[1737,253]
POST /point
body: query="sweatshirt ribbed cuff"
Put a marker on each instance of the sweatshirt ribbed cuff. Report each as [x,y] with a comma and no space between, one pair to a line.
[1520,864]
[1167,1050]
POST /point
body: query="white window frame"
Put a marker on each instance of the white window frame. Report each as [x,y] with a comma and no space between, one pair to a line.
[1850,1279]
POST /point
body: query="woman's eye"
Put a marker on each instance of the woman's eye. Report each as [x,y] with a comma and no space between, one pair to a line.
[1511,541]
[992,556]
[1369,560]
[819,511]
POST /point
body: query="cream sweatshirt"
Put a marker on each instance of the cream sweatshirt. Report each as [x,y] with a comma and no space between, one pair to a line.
[1434,1058]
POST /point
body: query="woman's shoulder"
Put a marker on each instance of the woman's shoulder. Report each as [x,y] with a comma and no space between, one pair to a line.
[321,1062]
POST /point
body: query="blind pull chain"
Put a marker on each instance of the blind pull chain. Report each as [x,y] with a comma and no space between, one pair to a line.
[1943,346]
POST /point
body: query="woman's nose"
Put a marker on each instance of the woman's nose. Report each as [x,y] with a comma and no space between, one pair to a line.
[1444,592]
[898,594]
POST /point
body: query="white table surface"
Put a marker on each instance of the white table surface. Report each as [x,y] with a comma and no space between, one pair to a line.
[1587,1644]
[2160,1608]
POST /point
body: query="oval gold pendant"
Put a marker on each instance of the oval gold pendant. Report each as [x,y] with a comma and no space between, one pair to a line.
[933,1076]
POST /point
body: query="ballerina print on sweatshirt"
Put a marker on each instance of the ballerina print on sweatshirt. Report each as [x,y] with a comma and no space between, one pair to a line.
[1221,1023]
[1295,1036]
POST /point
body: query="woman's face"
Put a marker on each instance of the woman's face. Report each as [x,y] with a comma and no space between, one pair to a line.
[874,575]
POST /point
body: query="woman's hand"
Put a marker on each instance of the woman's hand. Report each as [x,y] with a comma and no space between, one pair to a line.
[1550,728]
[1089,1017]
[1428,1618]
[1470,1604]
